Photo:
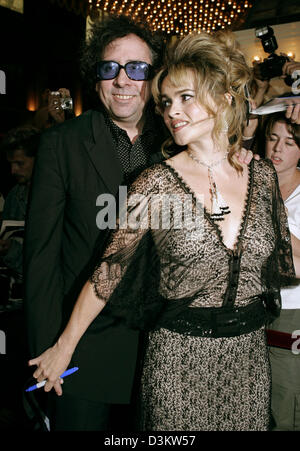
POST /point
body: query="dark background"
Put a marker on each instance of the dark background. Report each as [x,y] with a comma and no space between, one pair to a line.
[39,49]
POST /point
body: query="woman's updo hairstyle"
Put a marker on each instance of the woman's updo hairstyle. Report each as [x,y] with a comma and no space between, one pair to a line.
[219,67]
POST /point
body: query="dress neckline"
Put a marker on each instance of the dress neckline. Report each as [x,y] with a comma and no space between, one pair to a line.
[245,214]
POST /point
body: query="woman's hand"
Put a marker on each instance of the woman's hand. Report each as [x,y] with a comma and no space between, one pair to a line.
[54,361]
[50,365]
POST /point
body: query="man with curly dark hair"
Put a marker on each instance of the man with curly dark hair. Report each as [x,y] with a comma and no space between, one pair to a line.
[77,162]
[102,35]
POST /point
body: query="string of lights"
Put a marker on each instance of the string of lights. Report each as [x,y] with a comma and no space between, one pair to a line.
[178,17]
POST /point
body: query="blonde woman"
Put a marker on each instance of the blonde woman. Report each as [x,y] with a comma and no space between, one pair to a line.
[201,288]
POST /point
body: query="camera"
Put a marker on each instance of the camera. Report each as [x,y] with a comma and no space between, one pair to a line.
[66,103]
[272,66]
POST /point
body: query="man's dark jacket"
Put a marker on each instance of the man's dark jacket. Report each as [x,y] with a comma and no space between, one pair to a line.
[76,162]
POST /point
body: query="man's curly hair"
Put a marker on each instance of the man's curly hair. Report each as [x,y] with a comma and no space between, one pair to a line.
[103,33]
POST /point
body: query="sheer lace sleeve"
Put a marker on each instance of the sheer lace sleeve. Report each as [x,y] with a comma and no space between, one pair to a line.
[283,239]
[127,275]
[279,270]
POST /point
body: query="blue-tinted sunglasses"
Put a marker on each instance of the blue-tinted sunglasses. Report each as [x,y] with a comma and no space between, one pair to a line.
[135,70]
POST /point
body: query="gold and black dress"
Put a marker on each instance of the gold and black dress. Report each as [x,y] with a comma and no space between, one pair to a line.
[203,306]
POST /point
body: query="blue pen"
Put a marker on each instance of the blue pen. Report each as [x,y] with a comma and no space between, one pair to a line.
[41,384]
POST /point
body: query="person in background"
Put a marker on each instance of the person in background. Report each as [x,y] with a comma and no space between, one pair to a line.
[259,90]
[264,90]
[282,147]
[20,146]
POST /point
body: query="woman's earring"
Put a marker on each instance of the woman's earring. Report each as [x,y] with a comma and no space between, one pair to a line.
[225,125]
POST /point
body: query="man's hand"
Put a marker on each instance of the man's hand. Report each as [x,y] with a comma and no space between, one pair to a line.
[289,67]
[293,111]
[260,86]
[55,110]
[64,92]
[54,104]
[245,156]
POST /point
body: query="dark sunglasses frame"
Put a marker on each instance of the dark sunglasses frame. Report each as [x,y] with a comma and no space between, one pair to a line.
[150,68]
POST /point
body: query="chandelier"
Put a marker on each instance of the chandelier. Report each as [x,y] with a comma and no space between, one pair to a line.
[178,17]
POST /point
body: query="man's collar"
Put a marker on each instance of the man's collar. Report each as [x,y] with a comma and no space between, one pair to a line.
[149,125]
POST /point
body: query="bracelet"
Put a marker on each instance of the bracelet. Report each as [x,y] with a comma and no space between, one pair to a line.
[247,138]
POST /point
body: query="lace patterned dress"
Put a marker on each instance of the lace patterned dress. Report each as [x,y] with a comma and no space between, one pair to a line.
[166,269]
